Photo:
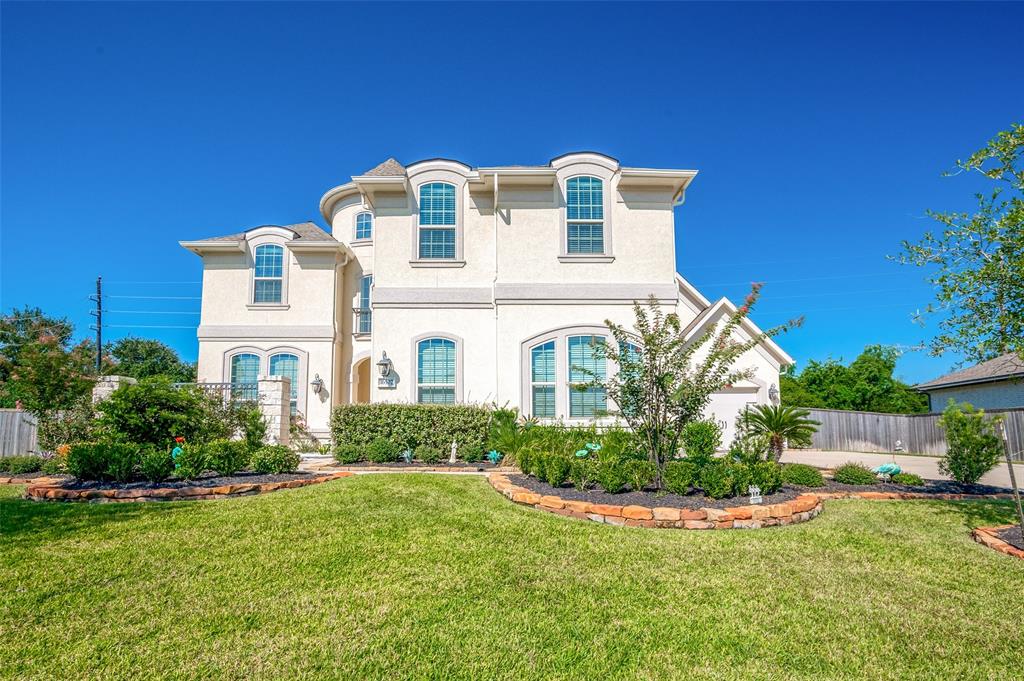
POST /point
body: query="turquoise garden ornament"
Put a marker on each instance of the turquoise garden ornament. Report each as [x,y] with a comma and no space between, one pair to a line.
[888,469]
[494,456]
[582,453]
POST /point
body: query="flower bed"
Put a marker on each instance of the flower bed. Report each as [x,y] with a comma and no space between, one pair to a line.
[1006,539]
[202,488]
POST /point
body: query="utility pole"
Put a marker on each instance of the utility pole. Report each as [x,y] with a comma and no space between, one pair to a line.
[98,314]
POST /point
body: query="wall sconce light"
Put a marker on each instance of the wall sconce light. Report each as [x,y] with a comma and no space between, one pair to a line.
[317,383]
[773,394]
[384,365]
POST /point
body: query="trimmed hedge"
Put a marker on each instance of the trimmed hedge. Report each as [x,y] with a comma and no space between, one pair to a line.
[274,459]
[854,474]
[407,426]
[19,465]
[802,475]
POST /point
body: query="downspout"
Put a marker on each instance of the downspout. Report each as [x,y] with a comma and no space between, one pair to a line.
[494,284]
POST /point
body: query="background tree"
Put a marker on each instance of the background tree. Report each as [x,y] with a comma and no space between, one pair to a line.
[976,263]
[665,381]
[143,358]
[867,384]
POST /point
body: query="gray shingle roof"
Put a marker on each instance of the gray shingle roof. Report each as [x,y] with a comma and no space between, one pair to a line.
[304,231]
[387,168]
[998,369]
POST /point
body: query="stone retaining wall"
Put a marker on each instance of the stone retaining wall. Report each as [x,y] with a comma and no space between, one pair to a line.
[987,536]
[53,492]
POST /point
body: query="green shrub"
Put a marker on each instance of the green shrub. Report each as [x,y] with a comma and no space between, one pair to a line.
[20,465]
[273,459]
[640,473]
[556,470]
[382,451]
[611,475]
[347,453]
[253,425]
[767,475]
[191,462]
[67,426]
[700,441]
[742,478]
[525,460]
[122,460]
[227,457]
[679,476]
[802,475]
[428,454]
[52,466]
[470,454]
[908,479]
[582,472]
[972,446]
[411,425]
[854,474]
[155,463]
[537,463]
[154,412]
[717,479]
[87,461]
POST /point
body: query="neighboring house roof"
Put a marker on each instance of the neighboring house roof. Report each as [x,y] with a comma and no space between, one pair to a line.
[306,231]
[1001,368]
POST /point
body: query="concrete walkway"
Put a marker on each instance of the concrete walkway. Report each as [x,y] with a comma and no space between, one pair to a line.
[925,466]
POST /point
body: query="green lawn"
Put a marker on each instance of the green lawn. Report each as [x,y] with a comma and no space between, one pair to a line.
[399,576]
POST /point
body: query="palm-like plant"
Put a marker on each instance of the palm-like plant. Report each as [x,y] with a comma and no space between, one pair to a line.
[781,424]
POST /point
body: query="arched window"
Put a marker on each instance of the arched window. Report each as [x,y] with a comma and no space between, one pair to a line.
[437,221]
[364,226]
[364,313]
[245,372]
[435,371]
[542,380]
[268,273]
[584,216]
[286,364]
[586,363]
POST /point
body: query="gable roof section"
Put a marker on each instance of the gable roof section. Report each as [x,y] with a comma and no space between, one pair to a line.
[388,168]
[747,326]
[305,233]
[1001,368]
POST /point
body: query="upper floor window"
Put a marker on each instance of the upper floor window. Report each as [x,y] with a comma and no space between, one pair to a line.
[245,372]
[268,273]
[436,362]
[542,380]
[586,364]
[286,364]
[364,226]
[437,221]
[584,215]
[364,313]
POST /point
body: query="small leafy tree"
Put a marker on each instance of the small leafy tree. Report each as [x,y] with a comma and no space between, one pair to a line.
[664,379]
[780,424]
[973,446]
[145,357]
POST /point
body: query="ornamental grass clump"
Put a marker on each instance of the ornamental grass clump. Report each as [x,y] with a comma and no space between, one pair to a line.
[853,473]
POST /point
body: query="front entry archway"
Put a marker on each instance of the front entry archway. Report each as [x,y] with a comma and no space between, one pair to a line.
[361,382]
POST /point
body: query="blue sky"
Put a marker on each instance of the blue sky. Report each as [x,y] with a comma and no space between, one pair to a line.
[820,132]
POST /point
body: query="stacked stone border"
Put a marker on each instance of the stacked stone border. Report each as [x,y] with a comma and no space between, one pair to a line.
[54,492]
[988,537]
[798,510]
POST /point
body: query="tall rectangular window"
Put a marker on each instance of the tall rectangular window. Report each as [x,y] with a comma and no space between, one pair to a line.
[245,372]
[364,313]
[364,226]
[584,215]
[437,221]
[586,364]
[268,273]
[286,364]
[542,380]
[435,371]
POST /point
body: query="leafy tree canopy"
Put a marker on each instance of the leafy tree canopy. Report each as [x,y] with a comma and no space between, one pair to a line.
[867,384]
[144,357]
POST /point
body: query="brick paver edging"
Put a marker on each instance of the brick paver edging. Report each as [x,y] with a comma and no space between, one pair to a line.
[987,536]
[54,492]
[798,510]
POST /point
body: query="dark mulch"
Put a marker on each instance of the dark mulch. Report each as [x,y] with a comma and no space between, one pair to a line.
[697,499]
[210,480]
[1012,536]
[457,466]
[27,476]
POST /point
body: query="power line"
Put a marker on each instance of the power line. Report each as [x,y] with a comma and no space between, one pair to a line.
[788,261]
[157,297]
[147,283]
[839,293]
[789,281]
[146,326]
[829,309]
[149,312]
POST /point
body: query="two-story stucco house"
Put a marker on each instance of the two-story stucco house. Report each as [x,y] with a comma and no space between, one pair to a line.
[483,285]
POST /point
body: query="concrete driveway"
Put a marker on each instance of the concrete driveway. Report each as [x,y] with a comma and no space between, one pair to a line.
[925,466]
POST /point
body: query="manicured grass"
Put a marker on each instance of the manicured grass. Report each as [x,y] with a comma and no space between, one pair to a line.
[399,576]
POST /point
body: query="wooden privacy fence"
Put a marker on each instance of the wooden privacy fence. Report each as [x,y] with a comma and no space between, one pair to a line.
[18,431]
[866,431]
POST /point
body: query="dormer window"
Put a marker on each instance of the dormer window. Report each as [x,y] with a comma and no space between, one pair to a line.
[364,226]
[268,274]
[584,215]
[437,221]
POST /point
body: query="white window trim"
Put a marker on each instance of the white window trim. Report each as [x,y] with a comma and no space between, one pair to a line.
[415,363]
[285,262]
[533,384]
[355,223]
[359,299]
[302,395]
[459,182]
[609,179]
[561,338]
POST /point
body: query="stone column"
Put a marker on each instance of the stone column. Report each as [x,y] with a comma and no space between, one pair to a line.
[275,405]
[105,385]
